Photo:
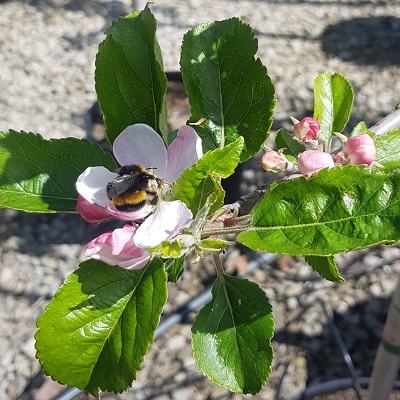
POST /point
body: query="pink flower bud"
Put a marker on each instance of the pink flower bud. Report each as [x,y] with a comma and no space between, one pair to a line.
[274,162]
[338,158]
[312,161]
[359,150]
[307,129]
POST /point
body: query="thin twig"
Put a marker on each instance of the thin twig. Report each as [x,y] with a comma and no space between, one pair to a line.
[388,123]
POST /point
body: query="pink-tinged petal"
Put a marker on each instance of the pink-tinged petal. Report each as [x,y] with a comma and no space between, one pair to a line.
[312,161]
[102,239]
[118,248]
[141,144]
[165,223]
[136,263]
[99,250]
[183,152]
[122,242]
[91,212]
[129,216]
[92,183]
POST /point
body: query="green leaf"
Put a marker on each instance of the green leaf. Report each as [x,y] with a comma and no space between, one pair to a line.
[130,82]
[100,323]
[211,135]
[174,268]
[171,136]
[197,183]
[226,84]
[326,267]
[338,209]
[388,150]
[39,175]
[361,128]
[333,99]
[231,336]
[285,140]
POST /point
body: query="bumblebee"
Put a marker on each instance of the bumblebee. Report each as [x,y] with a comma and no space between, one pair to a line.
[134,188]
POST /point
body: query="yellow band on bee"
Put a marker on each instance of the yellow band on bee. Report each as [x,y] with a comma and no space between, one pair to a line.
[130,198]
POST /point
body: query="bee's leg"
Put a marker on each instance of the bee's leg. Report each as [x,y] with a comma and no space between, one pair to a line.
[153,197]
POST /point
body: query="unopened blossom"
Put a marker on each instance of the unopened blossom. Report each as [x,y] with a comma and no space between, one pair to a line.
[312,161]
[272,161]
[339,158]
[359,150]
[142,145]
[307,129]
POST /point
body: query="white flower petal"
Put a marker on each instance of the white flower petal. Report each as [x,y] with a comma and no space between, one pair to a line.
[183,152]
[92,183]
[165,223]
[136,263]
[141,144]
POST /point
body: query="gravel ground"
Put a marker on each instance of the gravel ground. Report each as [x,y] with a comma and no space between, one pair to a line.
[47,51]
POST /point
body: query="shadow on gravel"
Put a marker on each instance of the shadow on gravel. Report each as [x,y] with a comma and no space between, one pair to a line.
[326,3]
[36,233]
[364,41]
[360,328]
[112,9]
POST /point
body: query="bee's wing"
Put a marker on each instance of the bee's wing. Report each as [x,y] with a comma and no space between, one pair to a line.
[120,185]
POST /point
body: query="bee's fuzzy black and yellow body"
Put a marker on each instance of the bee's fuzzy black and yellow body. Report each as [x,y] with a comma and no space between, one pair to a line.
[134,188]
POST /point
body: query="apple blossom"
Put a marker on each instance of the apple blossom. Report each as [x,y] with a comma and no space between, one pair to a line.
[118,248]
[142,145]
[312,161]
[359,150]
[126,247]
[272,161]
[307,129]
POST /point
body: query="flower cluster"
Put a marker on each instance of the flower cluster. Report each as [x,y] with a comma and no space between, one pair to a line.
[357,150]
[141,147]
